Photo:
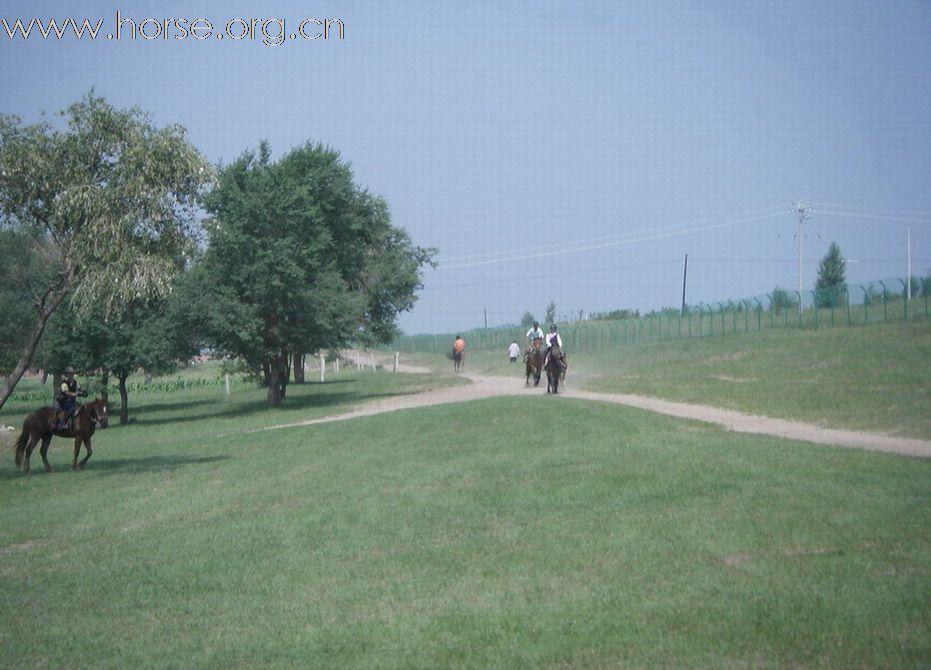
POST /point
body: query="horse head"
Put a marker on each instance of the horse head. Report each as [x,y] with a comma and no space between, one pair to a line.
[97,412]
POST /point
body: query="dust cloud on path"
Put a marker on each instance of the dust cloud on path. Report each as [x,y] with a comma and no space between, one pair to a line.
[492,387]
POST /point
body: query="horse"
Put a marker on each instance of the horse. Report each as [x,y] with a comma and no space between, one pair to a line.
[459,360]
[534,363]
[41,425]
[555,369]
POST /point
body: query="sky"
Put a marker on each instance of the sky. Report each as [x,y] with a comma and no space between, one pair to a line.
[565,152]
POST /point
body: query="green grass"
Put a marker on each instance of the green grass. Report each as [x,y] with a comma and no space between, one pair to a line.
[515,532]
[875,378]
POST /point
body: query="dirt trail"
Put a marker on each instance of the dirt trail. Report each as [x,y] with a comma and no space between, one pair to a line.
[490,387]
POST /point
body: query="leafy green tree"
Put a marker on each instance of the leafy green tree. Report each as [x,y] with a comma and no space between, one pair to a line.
[781,299]
[832,278]
[111,196]
[527,320]
[144,335]
[550,313]
[22,276]
[300,259]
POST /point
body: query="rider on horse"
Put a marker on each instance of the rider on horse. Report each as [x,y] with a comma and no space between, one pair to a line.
[553,339]
[67,399]
[535,333]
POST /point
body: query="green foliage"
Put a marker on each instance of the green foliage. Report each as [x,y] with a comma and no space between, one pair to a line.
[781,299]
[615,315]
[527,320]
[299,259]
[111,199]
[830,288]
[114,196]
[22,274]
[550,317]
[926,285]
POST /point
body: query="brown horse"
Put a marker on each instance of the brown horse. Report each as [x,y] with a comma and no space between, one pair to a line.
[40,425]
[555,368]
[458,360]
[535,362]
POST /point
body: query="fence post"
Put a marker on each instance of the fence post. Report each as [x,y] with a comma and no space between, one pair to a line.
[322,368]
[397,356]
[866,305]
[905,297]
[885,302]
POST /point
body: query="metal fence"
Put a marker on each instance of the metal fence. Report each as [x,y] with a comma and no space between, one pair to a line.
[852,305]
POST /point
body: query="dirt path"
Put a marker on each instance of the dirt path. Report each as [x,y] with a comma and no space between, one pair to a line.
[490,387]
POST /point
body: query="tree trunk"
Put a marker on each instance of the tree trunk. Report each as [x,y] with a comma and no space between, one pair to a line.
[124,397]
[298,368]
[285,362]
[44,309]
[273,372]
[104,391]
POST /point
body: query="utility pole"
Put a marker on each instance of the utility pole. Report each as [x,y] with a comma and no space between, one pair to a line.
[908,278]
[803,211]
[685,272]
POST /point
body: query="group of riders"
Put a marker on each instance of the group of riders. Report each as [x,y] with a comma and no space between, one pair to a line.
[548,343]
[537,340]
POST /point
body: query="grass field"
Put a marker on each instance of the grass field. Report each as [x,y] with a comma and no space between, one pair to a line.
[513,532]
[875,378]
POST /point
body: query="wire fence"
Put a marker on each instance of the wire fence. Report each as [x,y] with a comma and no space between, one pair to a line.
[851,305]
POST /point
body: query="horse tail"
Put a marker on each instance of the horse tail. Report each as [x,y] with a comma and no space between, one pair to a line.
[21,446]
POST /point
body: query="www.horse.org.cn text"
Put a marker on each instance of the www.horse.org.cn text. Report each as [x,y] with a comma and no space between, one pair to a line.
[268,31]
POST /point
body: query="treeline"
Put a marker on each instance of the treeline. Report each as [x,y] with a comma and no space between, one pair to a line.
[107,265]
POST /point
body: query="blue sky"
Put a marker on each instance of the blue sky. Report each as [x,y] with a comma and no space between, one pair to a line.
[564,151]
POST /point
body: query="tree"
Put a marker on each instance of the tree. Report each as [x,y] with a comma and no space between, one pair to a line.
[112,198]
[550,312]
[781,299]
[21,272]
[299,259]
[147,335]
[527,320]
[832,278]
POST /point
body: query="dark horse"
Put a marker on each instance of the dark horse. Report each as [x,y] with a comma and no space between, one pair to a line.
[535,362]
[40,425]
[458,361]
[555,368]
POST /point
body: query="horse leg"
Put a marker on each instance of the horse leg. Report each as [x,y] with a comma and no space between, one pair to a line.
[32,445]
[87,445]
[43,452]
[77,452]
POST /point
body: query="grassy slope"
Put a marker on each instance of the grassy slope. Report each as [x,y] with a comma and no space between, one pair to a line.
[508,533]
[515,532]
[875,378]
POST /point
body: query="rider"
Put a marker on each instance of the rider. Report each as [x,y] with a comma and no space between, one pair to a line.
[68,393]
[535,333]
[458,345]
[553,339]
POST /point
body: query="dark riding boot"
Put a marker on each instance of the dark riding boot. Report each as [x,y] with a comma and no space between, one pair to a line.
[63,423]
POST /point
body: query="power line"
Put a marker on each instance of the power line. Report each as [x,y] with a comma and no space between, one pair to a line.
[632,240]
[878,210]
[615,237]
[875,217]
